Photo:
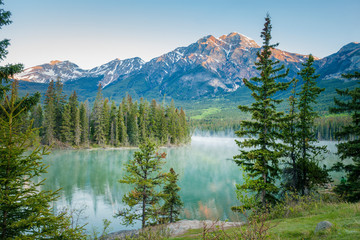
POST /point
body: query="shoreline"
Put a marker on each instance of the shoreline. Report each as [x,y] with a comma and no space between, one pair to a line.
[178,228]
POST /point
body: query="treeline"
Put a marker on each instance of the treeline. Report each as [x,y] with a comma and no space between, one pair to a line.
[325,127]
[68,122]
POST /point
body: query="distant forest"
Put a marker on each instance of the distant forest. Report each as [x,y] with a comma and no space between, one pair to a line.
[325,127]
[66,122]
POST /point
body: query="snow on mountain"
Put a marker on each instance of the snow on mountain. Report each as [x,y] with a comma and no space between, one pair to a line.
[44,73]
[208,66]
[68,71]
[112,70]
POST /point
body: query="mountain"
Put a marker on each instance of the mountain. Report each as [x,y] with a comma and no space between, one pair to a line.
[68,71]
[347,59]
[210,67]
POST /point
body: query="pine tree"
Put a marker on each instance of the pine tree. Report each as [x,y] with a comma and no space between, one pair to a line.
[349,188]
[84,124]
[172,122]
[59,105]
[106,119]
[65,132]
[132,122]
[25,211]
[97,117]
[308,151]
[114,130]
[50,115]
[143,172]
[172,201]
[143,120]
[291,170]
[74,119]
[123,137]
[77,128]
[38,118]
[261,163]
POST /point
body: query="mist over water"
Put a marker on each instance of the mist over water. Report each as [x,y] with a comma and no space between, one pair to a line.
[207,177]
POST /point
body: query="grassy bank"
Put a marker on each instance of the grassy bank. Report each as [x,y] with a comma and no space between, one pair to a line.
[345,218]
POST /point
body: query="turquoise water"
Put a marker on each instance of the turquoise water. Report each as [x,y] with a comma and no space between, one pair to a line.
[89,179]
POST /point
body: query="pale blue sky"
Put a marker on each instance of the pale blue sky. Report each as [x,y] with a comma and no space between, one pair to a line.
[92,32]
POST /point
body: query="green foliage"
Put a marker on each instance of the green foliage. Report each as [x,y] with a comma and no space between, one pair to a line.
[25,211]
[97,117]
[66,134]
[302,172]
[262,162]
[350,187]
[84,124]
[144,173]
[172,201]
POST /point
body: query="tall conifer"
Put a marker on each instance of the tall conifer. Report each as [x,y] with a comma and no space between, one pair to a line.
[311,173]
[261,163]
[349,188]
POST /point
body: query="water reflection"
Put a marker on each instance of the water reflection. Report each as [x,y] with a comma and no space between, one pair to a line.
[207,177]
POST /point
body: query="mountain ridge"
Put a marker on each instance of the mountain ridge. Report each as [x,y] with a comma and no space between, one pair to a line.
[208,67]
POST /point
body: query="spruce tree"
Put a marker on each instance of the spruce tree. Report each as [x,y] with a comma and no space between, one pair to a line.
[261,163]
[25,209]
[106,119]
[84,124]
[172,201]
[144,173]
[65,129]
[74,119]
[143,120]
[291,171]
[97,117]
[114,130]
[77,127]
[132,122]
[123,137]
[59,105]
[349,188]
[50,115]
[311,173]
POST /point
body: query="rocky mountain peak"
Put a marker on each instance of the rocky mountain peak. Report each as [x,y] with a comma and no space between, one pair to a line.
[53,62]
[238,39]
[349,47]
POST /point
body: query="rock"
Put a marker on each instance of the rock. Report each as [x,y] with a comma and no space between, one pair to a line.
[323,226]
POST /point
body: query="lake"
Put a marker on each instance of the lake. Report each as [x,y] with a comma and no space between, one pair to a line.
[207,177]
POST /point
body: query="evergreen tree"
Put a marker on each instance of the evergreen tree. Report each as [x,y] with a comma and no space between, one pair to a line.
[143,120]
[261,163]
[77,127]
[106,119]
[66,133]
[172,201]
[349,188]
[84,124]
[143,172]
[59,104]
[132,122]
[114,130]
[25,211]
[291,170]
[38,118]
[97,117]
[123,137]
[172,123]
[50,115]
[308,152]
[74,119]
